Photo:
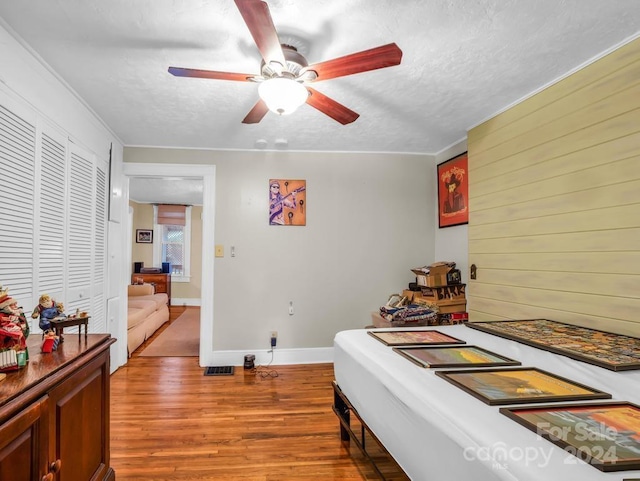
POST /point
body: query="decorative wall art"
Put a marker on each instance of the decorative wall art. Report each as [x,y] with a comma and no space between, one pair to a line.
[453,191]
[287,202]
[519,385]
[413,338]
[144,236]
[605,349]
[605,435]
[454,356]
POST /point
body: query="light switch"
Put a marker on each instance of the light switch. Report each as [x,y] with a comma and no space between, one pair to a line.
[219,250]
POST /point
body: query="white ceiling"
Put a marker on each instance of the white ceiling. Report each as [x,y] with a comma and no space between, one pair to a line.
[463,61]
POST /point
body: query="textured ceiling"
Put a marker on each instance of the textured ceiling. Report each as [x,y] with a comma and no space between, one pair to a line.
[464,60]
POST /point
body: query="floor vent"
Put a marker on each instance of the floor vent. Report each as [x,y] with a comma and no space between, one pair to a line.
[218,371]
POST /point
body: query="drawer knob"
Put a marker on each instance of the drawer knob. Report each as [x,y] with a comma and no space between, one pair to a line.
[55,466]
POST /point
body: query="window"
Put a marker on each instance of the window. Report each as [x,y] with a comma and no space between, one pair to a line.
[174,240]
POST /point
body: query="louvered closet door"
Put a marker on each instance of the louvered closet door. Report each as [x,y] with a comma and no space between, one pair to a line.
[53,214]
[80,230]
[99,271]
[86,261]
[51,233]
[17,165]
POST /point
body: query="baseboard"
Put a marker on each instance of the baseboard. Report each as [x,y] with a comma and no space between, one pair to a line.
[185,301]
[280,357]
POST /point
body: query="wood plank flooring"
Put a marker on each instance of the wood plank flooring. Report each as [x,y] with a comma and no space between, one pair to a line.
[170,422]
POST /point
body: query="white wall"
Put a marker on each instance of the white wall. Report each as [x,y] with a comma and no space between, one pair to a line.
[451,243]
[369,221]
[31,83]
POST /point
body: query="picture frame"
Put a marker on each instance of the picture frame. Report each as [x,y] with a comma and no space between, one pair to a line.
[414,338]
[454,356]
[287,202]
[608,350]
[520,385]
[604,435]
[144,236]
[453,191]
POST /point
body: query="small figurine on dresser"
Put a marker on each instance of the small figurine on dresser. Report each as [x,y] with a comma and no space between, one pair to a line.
[46,310]
[14,330]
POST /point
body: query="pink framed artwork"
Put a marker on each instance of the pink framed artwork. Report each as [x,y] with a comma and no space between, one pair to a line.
[453,191]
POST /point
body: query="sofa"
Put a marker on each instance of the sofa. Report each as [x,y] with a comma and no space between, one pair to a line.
[146,312]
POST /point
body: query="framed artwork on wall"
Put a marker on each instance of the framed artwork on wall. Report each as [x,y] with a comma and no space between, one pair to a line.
[453,191]
[287,202]
[144,236]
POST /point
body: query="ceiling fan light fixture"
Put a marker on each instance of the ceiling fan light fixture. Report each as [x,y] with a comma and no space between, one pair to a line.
[283,95]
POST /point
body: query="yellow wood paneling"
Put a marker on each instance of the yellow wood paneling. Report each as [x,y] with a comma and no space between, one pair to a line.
[554,196]
[604,68]
[568,173]
[596,93]
[597,241]
[609,130]
[592,115]
[607,284]
[620,217]
[556,202]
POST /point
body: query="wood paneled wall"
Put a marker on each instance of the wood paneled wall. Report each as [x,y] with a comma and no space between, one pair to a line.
[554,196]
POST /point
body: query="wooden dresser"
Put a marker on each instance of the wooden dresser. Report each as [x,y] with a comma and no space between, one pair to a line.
[54,413]
[162,282]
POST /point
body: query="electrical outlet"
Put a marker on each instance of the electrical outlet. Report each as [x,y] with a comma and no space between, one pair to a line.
[274,338]
[291,308]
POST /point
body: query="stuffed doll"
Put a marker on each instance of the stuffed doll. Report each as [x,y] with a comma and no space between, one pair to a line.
[46,310]
[14,327]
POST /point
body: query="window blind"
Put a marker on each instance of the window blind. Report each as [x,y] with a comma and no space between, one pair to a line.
[171,214]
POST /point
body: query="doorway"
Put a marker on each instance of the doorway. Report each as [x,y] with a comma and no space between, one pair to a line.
[190,177]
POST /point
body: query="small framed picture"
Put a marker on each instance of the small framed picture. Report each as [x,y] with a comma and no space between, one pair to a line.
[454,356]
[144,236]
[413,338]
[519,385]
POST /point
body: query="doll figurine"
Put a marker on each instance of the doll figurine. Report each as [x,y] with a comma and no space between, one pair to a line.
[14,327]
[46,310]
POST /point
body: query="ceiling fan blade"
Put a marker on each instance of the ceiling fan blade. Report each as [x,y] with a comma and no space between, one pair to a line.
[257,113]
[375,58]
[257,17]
[210,74]
[330,107]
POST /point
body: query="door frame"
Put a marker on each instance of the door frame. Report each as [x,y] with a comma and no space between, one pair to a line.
[207,173]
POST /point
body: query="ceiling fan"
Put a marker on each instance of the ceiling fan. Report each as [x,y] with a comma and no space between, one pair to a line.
[285,74]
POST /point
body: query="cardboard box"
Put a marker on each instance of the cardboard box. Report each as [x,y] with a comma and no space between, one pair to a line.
[421,277]
[446,295]
[447,308]
[410,295]
[439,275]
[442,276]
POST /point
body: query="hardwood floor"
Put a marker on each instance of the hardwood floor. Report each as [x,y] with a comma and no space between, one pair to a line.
[170,422]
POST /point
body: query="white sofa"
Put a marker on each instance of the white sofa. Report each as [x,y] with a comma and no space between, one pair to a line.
[146,312]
